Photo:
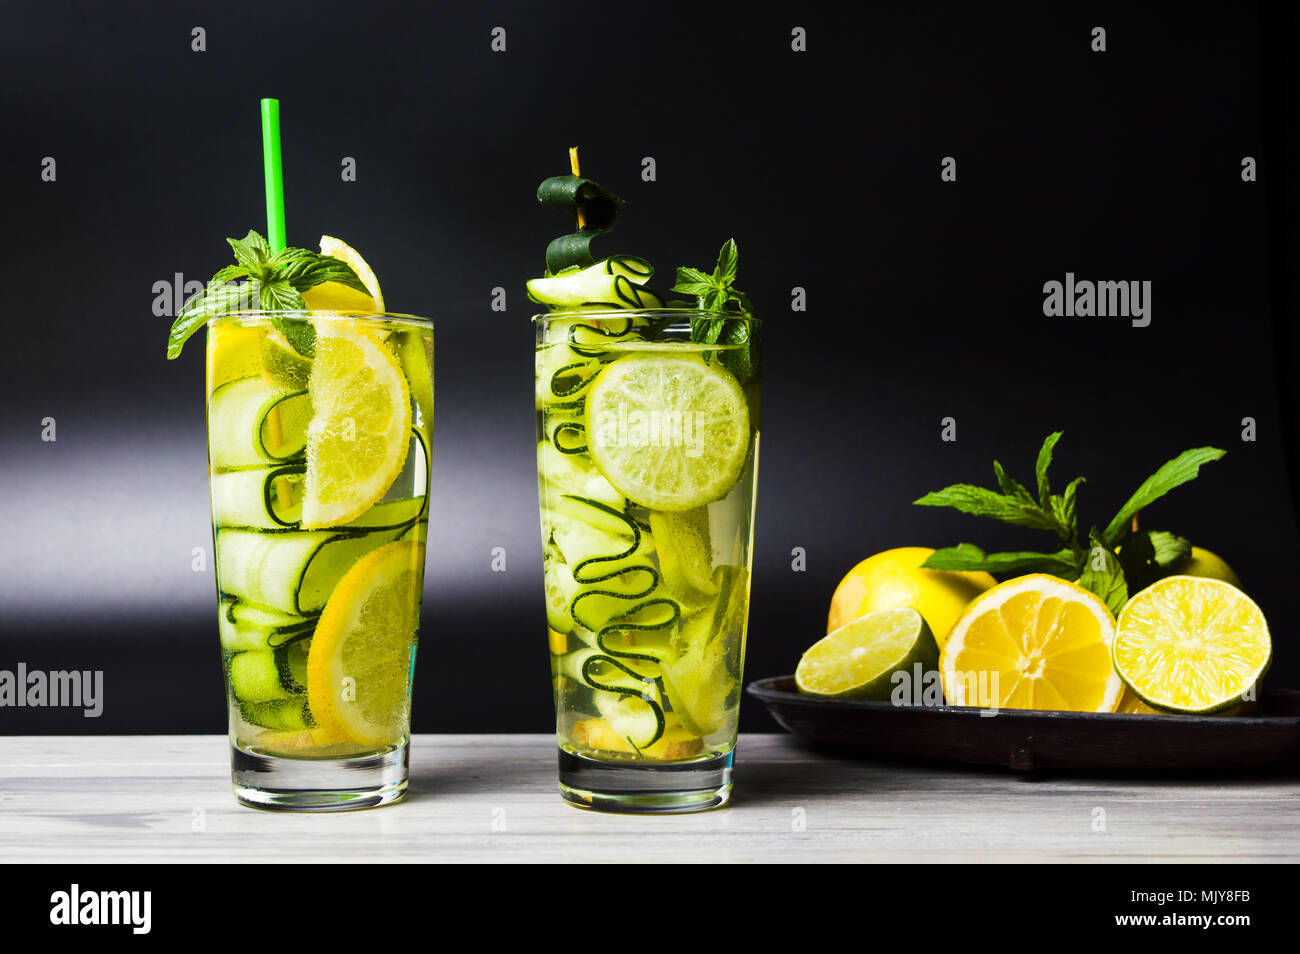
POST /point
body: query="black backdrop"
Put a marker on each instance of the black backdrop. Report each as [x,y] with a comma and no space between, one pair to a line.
[924,297]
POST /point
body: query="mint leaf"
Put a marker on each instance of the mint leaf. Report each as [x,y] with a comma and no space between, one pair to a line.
[229,274]
[728,258]
[1151,554]
[692,276]
[216,299]
[1010,486]
[1065,507]
[275,282]
[308,272]
[980,502]
[968,557]
[715,293]
[1172,474]
[251,251]
[697,289]
[1103,575]
[1040,468]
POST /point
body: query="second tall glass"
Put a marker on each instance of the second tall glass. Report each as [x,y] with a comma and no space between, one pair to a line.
[647,462]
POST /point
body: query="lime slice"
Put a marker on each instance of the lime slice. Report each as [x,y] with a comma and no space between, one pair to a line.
[858,659]
[359,665]
[332,296]
[281,365]
[361,424]
[1191,644]
[668,431]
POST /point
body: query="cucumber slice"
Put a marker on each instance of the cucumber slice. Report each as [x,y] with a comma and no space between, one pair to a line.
[575,514]
[560,472]
[245,627]
[294,571]
[614,282]
[560,590]
[251,422]
[261,675]
[285,714]
[264,498]
[632,717]
[702,676]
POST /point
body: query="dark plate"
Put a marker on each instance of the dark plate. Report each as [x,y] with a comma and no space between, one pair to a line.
[1025,739]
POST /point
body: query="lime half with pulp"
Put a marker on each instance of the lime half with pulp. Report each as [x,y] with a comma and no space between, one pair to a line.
[1192,645]
[670,432]
[858,660]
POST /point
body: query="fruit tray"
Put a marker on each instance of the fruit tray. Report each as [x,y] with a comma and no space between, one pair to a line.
[1026,740]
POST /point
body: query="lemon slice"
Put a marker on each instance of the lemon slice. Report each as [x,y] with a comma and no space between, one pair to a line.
[359,665]
[668,431]
[1035,642]
[1192,644]
[858,660]
[233,353]
[333,296]
[360,427]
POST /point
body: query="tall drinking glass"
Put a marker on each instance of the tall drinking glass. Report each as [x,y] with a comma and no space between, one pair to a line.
[647,460]
[319,467]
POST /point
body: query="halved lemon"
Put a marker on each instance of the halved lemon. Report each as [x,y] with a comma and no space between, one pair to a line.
[1192,644]
[1035,642]
[333,296]
[362,653]
[360,427]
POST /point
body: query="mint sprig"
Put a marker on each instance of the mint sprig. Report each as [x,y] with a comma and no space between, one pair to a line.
[1116,562]
[717,293]
[271,281]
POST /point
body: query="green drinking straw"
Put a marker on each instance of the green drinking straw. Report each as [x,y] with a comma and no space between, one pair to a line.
[274,174]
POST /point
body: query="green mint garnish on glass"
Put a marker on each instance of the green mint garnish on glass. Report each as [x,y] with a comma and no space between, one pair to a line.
[718,293]
[1117,561]
[271,281]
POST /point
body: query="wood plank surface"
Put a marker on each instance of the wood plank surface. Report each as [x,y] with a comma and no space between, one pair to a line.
[493,798]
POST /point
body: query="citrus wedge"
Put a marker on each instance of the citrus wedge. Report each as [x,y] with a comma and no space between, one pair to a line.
[360,427]
[668,431]
[333,296]
[1192,644]
[1034,642]
[359,665]
[233,353]
[858,660]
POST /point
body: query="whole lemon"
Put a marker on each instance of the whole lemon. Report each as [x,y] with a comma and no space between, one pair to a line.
[894,578]
[1204,563]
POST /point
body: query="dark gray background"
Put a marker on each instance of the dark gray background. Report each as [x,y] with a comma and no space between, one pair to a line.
[924,297]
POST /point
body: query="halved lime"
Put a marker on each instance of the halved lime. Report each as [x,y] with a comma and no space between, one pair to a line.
[858,660]
[1191,644]
[669,431]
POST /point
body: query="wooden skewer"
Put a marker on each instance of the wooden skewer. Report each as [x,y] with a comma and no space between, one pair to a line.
[573,165]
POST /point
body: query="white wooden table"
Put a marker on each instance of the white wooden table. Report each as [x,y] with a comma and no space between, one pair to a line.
[494,798]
